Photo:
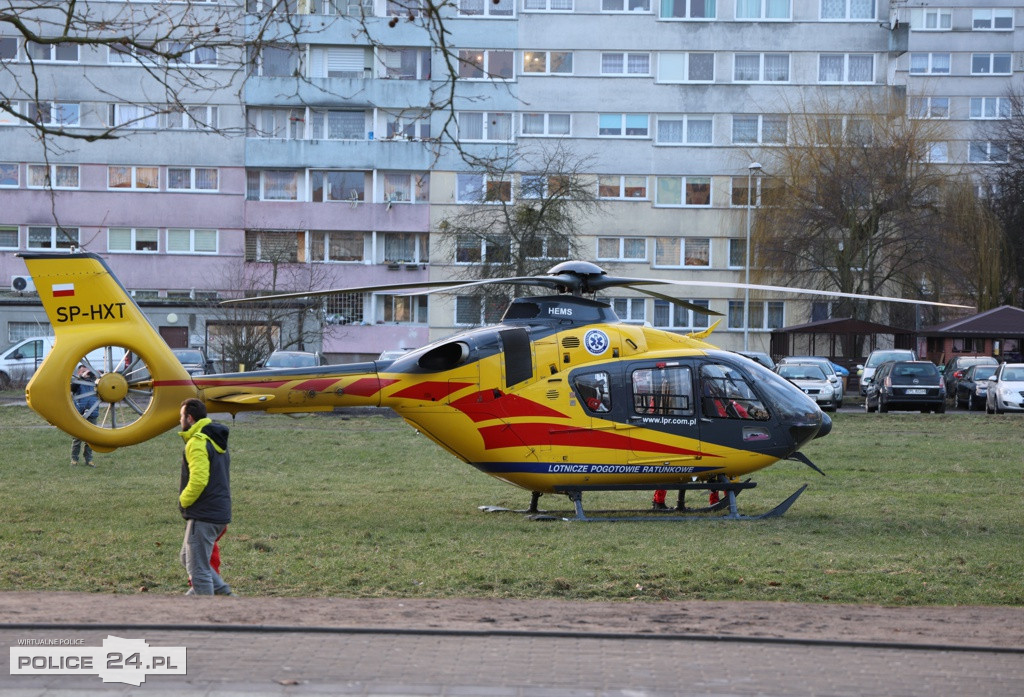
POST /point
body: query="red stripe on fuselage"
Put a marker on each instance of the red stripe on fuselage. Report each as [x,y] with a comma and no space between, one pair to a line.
[518,435]
[433,391]
[364,387]
[484,406]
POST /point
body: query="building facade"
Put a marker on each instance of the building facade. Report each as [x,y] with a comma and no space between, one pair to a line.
[319,157]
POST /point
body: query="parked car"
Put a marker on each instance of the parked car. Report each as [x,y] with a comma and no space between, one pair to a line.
[877,358]
[293,359]
[1006,389]
[762,358]
[909,385]
[972,388]
[955,367]
[392,354]
[810,378]
[826,366]
[193,360]
[18,362]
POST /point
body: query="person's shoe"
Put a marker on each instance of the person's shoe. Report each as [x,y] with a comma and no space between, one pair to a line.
[227,592]
[190,591]
[658,506]
[88,463]
[74,463]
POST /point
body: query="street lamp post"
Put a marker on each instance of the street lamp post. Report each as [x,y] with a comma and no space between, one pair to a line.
[751,168]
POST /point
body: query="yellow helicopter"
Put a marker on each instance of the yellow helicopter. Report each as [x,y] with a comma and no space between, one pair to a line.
[560,397]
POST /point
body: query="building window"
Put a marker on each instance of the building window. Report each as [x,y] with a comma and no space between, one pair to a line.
[686,67]
[546,124]
[286,124]
[988,151]
[990,108]
[671,316]
[470,249]
[486,8]
[761,67]
[620,63]
[624,125]
[337,124]
[625,5]
[547,62]
[538,186]
[125,54]
[134,116]
[55,114]
[337,185]
[8,48]
[683,191]
[8,237]
[403,309]
[848,9]
[766,191]
[737,253]
[762,9]
[405,63]
[10,116]
[936,152]
[10,175]
[682,251]
[687,9]
[193,118]
[683,130]
[276,61]
[929,108]
[990,64]
[469,188]
[767,129]
[272,245]
[336,245]
[345,308]
[52,237]
[473,310]
[763,315]
[126,239]
[993,19]
[53,176]
[548,5]
[54,53]
[404,247]
[931,19]
[846,67]
[405,187]
[622,248]
[135,178]
[929,64]
[404,8]
[192,178]
[486,65]
[542,247]
[616,186]
[180,53]
[188,241]
[273,185]
[630,309]
[410,124]
[484,126]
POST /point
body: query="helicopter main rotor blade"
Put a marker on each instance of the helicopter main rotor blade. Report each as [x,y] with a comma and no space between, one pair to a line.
[700,309]
[610,281]
[422,286]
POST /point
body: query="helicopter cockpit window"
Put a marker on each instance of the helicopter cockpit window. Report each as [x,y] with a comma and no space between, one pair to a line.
[594,391]
[727,395]
[667,390]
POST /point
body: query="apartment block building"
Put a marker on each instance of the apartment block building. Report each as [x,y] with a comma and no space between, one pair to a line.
[320,157]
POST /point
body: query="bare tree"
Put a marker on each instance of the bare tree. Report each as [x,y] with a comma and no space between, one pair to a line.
[1005,189]
[525,216]
[851,202]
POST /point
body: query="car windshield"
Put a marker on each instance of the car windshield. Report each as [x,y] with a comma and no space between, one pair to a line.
[189,356]
[291,360]
[984,372]
[877,358]
[1013,374]
[914,370]
[801,372]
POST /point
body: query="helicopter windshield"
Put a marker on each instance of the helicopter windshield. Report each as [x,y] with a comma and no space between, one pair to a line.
[783,397]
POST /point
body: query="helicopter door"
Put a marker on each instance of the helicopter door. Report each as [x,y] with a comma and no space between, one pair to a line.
[661,400]
[731,414]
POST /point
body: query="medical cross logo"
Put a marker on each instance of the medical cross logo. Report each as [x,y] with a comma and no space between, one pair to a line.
[596,341]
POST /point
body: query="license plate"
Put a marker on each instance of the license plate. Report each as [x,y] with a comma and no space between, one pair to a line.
[914,391]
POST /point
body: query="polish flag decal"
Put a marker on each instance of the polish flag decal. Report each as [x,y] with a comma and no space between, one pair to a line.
[63,290]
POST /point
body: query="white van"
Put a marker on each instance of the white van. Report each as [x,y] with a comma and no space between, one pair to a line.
[19,361]
[877,358]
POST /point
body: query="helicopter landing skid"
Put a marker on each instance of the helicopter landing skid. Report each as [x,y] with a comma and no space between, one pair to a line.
[680,512]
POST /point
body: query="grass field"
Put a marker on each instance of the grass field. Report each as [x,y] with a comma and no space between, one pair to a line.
[915,510]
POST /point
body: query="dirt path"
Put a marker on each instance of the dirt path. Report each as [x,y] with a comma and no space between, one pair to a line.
[975,626]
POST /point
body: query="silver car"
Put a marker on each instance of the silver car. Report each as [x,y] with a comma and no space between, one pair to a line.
[1006,389]
[810,378]
[826,367]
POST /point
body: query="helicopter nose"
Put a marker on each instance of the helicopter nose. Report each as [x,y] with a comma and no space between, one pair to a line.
[826,425]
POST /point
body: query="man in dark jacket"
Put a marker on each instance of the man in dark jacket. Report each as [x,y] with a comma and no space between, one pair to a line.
[204,495]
